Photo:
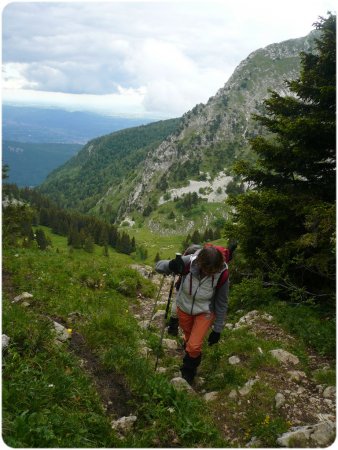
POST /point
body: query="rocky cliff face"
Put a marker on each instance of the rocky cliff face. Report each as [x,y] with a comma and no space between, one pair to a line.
[225,122]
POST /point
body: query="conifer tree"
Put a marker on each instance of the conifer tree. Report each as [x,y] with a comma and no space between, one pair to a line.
[133,245]
[88,245]
[105,251]
[74,238]
[196,237]
[287,217]
[112,236]
[41,239]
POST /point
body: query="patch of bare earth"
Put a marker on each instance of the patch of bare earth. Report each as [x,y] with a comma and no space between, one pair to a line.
[7,284]
[110,385]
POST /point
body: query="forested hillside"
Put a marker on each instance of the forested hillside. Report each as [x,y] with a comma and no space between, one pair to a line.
[103,162]
[192,153]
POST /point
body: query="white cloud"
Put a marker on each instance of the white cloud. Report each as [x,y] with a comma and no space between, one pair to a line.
[125,102]
[157,57]
[13,77]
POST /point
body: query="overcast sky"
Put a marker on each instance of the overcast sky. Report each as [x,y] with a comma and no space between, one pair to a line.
[148,58]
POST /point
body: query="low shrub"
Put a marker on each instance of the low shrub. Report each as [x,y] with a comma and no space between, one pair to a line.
[251,293]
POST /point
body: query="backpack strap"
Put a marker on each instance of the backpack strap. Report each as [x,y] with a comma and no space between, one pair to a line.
[223,278]
[187,268]
[184,274]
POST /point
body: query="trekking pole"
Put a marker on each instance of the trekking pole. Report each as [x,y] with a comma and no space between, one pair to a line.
[165,320]
[178,256]
[156,301]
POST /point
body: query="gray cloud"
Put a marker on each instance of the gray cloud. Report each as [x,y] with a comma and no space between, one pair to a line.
[178,53]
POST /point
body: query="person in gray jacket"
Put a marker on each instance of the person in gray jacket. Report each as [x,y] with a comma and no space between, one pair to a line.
[202,301]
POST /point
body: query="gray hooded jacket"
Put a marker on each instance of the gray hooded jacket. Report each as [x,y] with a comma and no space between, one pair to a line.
[197,295]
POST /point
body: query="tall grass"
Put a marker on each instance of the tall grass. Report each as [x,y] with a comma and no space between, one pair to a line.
[49,401]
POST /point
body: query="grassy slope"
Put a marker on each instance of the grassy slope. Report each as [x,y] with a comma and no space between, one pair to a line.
[49,400]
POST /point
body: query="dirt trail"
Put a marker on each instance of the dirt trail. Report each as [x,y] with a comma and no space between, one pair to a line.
[110,385]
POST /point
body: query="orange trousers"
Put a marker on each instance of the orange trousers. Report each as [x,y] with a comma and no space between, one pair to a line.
[194,328]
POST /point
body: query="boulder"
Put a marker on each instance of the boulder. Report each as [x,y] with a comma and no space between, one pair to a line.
[248,319]
[233,394]
[23,296]
[169,344]
[279,399]
[321,434]
[181,384]
[5,341]
[296,375]
[251,317]
[234,360]
[284,357]
[145,351]
[124,424]
[267,317]
[254,442]
[210,396]
[62,334]
[247,387]
[329,392]
[25,304]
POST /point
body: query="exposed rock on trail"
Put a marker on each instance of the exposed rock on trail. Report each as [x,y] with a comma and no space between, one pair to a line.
[307,406]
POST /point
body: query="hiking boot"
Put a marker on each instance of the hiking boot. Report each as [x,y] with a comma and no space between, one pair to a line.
[173,326]
[189,367]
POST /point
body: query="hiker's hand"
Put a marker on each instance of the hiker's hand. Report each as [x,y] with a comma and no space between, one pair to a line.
[232,246]
[176,266]
[214,337]
[173,326]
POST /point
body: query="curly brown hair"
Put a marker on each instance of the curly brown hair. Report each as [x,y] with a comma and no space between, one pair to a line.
[210,260]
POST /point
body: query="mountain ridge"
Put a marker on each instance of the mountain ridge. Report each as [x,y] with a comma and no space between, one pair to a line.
[205,142]
[45,125]
[220,119]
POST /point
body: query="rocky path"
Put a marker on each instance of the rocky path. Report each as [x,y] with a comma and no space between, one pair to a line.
[309,407]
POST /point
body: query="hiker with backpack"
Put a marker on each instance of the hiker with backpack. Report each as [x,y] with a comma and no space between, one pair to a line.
[202,300]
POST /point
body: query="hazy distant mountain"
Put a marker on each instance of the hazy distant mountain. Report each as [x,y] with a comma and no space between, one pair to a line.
[30,163]
[25,124]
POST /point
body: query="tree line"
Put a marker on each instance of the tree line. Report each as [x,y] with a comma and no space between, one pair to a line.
[30,208]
